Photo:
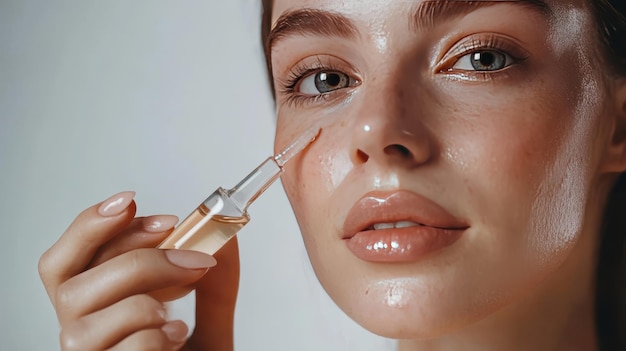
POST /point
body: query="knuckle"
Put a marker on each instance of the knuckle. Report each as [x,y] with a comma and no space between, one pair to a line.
[138,264]
[85,214]
[44,265]
[150,310]
[70,338]
[63,296]
[136,260]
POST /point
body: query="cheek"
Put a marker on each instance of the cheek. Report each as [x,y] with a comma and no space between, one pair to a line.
[332,168]
[529,170]
[321,169]
[562,195]
[312,179]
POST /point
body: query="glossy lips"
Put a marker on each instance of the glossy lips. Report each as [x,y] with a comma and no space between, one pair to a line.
[399,227]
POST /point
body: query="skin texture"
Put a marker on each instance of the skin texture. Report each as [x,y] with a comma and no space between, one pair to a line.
[525,155]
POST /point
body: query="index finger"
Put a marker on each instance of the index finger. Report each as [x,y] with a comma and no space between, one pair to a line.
[76,247]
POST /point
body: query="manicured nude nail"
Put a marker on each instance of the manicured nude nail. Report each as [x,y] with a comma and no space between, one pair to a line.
[159,223]
[162,313]
[116,204]
[175,331]
[190,259]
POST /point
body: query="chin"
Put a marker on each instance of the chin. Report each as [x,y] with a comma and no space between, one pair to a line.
[424,306]
[419,301]
[407,309]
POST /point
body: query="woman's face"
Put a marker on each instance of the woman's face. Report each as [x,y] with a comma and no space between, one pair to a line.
[460,142]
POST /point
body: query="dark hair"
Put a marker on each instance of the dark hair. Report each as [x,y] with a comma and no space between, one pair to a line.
[610,17]
[266,26]
[611,273]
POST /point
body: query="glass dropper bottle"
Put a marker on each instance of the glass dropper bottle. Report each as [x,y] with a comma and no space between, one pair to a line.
[224,213]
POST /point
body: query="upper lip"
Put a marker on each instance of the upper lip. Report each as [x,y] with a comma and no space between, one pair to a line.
[402,205]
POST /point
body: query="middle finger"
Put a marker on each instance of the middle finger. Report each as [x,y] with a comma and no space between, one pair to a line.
[142,232]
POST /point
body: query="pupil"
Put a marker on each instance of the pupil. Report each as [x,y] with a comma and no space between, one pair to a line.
[333,79]
[487,58]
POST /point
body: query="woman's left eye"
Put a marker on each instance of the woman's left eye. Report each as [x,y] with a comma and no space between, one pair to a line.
[483,60]
[324,82]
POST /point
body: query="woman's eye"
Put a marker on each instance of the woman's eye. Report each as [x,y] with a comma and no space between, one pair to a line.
[324,82]
[483,60]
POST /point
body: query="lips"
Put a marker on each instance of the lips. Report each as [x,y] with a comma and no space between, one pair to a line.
[399,226]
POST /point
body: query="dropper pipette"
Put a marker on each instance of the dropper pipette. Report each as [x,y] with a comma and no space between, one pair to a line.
[224,213]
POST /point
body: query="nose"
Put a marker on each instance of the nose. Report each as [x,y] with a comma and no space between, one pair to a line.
[390,129]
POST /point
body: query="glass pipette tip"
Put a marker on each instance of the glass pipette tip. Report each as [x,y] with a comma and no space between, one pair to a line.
[297,146]
[253,185]
[218,218]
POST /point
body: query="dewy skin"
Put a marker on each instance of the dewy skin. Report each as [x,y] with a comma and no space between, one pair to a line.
[224,212]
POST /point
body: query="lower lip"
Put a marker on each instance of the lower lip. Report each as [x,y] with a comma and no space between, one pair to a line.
[401,244]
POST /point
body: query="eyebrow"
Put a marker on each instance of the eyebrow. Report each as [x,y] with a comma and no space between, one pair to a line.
[430,13]
[427,14]
[312,22]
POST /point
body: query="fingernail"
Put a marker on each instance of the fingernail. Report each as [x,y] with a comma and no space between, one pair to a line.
[162,313]
[190,259]
[175,331]
[159,223]
[116,204]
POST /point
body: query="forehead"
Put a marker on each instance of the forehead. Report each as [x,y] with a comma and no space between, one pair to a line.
[382,8]
[565,20]
[355,9]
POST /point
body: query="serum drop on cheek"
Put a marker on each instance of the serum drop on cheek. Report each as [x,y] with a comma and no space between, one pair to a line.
[224,212]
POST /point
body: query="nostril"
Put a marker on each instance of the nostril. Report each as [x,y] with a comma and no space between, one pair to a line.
[397,149]
[362,156]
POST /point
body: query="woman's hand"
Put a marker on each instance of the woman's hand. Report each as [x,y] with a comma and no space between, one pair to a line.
[106,283]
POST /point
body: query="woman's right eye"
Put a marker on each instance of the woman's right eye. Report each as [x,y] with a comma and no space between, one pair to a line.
[323,82]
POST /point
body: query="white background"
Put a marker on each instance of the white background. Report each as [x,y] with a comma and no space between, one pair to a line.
[167,98]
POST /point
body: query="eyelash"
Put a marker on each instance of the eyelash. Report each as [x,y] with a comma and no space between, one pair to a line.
[490,42]
[301,71]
